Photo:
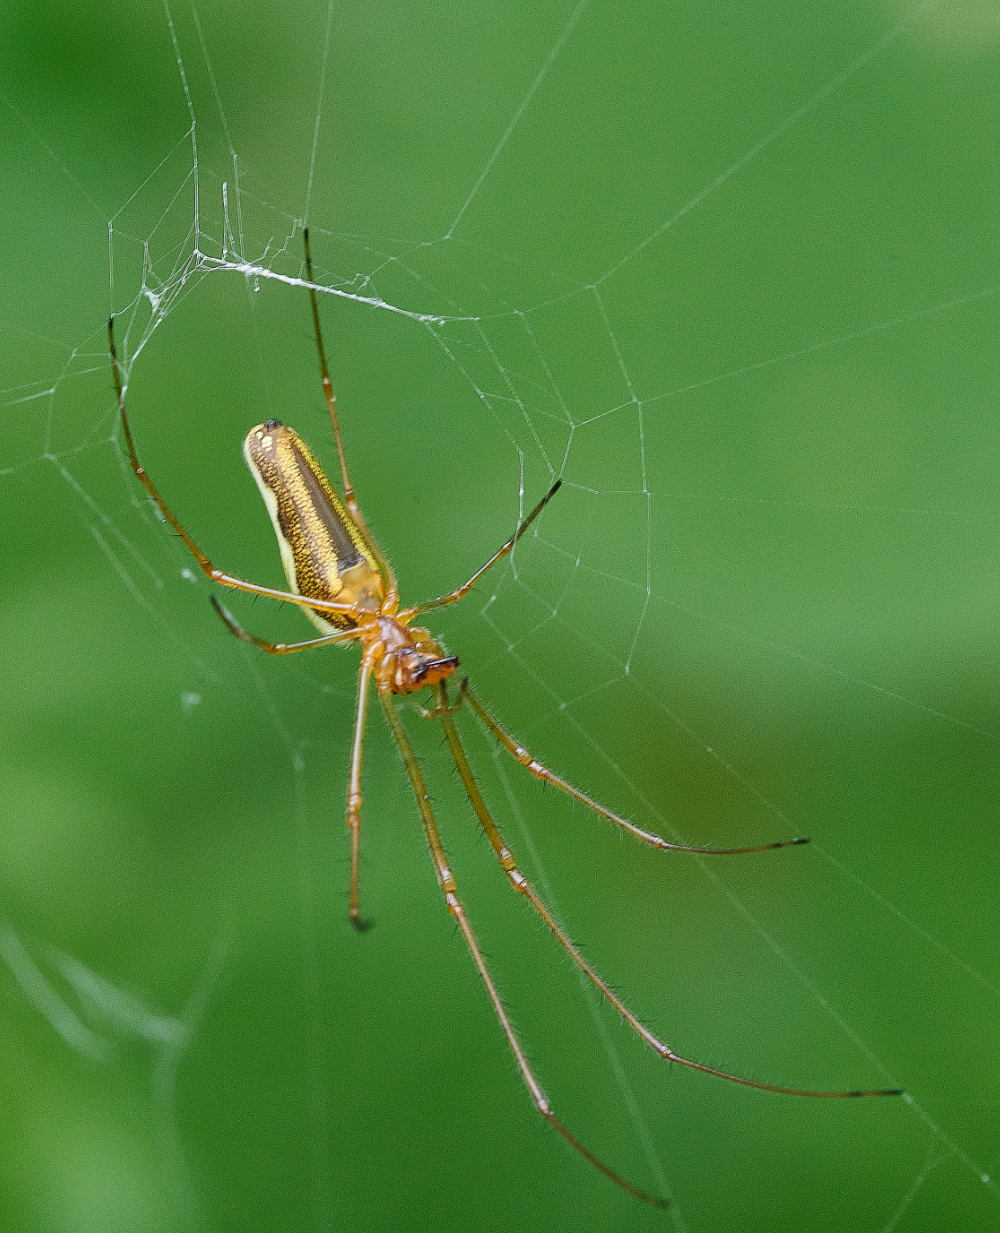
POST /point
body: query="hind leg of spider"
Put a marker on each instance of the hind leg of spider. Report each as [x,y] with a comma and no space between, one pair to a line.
[534,767]
[331,403]
[449,889]
[521,884]
[277,648]
[204,564]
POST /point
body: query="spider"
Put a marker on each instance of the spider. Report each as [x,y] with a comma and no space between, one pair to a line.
[340,577]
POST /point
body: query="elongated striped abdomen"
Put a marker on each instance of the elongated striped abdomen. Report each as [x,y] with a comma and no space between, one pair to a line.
[322,550]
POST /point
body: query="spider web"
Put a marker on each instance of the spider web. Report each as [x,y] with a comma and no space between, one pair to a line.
[731,275]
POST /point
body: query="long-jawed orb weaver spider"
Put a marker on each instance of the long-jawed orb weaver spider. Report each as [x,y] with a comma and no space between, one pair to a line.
[341,579]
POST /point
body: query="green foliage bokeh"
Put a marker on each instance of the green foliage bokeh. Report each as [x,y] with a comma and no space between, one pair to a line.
[764,604]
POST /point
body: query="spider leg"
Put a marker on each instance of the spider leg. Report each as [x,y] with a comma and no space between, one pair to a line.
[331,402]
[534,767]
[354,792]
[449,889]
[277,648]
[453,597]
[522,885]
[206,566]
[449,708]
[354,788]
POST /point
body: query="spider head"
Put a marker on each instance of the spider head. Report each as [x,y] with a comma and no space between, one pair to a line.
[410,669]
[412,659]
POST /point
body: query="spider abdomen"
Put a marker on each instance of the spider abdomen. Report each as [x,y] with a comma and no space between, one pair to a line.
[323,552]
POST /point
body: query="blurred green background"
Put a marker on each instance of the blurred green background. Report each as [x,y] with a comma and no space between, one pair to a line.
[764,604]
